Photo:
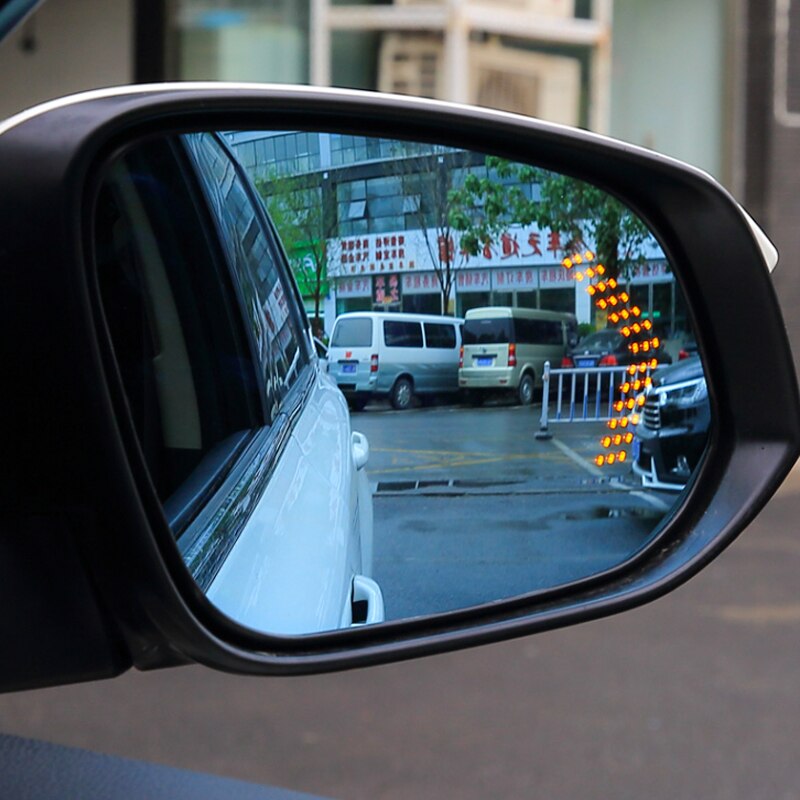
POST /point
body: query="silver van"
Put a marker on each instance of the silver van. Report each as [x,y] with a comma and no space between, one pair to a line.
[393,355]
[505,349]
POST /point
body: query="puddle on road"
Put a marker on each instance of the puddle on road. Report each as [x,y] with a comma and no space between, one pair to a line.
[606,512]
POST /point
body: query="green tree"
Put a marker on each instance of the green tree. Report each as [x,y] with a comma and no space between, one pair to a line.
[485,206]
[429,192]
[304,225]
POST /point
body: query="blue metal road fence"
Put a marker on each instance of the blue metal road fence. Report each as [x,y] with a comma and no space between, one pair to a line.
[579,394]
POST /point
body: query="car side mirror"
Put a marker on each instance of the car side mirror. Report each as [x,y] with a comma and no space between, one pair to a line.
[185,483]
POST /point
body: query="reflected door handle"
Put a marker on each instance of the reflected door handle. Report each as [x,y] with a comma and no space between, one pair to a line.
[366,590]
[360,449]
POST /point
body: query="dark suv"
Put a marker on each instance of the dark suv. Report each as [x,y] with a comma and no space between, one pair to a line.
[672,434]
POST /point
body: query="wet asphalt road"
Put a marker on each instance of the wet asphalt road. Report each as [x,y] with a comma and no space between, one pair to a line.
[471,507]
[695,695]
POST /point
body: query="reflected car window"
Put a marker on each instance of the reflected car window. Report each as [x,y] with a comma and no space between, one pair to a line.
[276,331]
[182,358]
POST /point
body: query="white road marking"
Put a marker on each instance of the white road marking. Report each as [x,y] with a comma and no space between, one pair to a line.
[598,473]
[654,501]
[579,460]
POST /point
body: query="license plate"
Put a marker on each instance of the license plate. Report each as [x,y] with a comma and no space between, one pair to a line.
[636,449]
[348,369]
[584,362]
[485,361]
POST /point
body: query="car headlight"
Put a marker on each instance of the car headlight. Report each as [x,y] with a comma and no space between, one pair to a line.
[691,395]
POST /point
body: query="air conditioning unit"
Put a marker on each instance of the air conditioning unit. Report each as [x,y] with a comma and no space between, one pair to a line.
[545,8]
[508,78]
[527,82]
[412,64]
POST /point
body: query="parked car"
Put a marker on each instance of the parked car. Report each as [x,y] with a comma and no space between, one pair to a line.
[376,354]
[505,349]
[609,348]
[672,434]
[688,348]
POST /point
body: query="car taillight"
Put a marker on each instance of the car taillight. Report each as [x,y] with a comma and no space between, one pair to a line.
[512,355]
[461,358]
[373,362]
[608,361]
[682,354]
[567,363]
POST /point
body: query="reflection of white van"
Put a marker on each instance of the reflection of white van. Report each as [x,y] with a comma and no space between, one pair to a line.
[505,348]
[381,354]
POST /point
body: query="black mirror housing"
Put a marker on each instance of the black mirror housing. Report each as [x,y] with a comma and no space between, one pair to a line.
[83,534]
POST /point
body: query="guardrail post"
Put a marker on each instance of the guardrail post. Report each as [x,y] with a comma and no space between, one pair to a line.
[544,433]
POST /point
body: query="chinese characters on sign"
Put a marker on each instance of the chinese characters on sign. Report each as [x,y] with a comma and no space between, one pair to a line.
[354,287]
[554,276]
[653,270]
[508,280]
[421,283]
[474,280]
[375,253]
[369,254]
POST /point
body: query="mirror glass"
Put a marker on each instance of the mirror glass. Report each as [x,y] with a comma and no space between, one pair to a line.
[374,379]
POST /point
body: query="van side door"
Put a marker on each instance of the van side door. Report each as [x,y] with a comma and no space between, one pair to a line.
[403,353]
[442,350]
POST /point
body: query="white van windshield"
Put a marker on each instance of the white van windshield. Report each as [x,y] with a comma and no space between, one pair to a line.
[353,333]
[499,330]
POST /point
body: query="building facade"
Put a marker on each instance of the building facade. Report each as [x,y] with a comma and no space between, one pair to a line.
[388,246]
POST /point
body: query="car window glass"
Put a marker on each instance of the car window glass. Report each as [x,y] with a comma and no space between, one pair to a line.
[600,342]
[173,323]
[276,331]
[488,331]
[402,334]
[440,336]
[545,331]
[352,333]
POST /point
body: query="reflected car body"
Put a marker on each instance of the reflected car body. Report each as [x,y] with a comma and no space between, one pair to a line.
[672,434]
[322,353]
[304,558]
[607,348]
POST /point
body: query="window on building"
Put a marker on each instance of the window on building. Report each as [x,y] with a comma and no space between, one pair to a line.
[356,209]
[527,300]
[468,300]
[558,299]
[246,40]
[411,203]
